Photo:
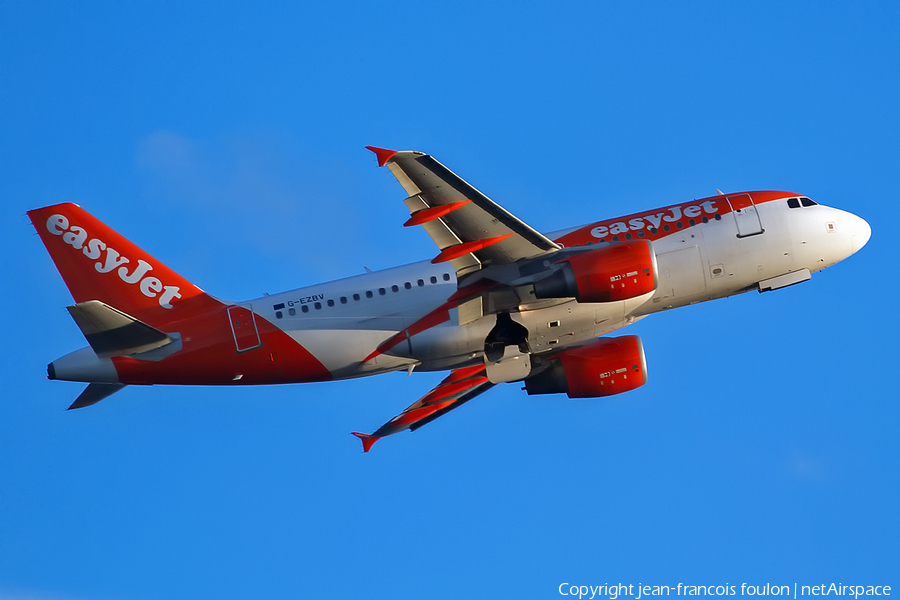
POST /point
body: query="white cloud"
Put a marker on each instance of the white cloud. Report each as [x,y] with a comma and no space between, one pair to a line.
[257,190]
[804,466]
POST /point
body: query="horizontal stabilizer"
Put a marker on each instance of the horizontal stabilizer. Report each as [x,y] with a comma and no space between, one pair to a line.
[94,393]
[111,332]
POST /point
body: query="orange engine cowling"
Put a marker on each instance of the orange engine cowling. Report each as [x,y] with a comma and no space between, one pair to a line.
[618,272]
[606,367]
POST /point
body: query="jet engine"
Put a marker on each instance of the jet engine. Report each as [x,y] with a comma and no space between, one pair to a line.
[617,272]
[605,367]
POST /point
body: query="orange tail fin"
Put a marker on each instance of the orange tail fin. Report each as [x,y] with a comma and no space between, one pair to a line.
[99,264]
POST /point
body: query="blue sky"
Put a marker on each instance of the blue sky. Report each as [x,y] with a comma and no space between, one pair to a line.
[227,140]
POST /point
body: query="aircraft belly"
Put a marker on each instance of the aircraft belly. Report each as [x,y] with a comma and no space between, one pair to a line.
[448,339]
[450,345]
[343,351]
[569,323]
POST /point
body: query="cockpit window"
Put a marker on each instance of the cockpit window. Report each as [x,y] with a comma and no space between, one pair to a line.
[807,202]
[794,202]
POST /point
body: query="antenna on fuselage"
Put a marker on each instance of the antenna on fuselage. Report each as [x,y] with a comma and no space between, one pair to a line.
[720,192]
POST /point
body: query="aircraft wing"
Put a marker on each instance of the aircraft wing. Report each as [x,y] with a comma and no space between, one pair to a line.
[455,390]
[469,228]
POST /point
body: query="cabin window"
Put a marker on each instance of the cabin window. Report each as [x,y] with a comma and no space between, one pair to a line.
[666,227]
[278,314]
[653,230]
[331,303]
[382,291]
[318,305]
[433,279]
[304,308]
[355,297]
[343,300]
[705,219]
[292,312]
[407,285]
[420,283]
[692,222]
[394,288]
[679,225]
[446,276]
[369,294]
[718,217]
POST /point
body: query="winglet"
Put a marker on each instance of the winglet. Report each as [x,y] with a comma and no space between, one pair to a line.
[367,440]
[383,155]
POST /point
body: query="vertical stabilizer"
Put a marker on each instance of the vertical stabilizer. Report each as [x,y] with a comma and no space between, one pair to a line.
[99,264]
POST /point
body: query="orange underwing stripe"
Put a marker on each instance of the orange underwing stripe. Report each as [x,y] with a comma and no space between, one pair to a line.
[458,250]
[435,212]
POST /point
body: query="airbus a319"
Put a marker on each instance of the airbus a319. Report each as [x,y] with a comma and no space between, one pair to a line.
[500,302]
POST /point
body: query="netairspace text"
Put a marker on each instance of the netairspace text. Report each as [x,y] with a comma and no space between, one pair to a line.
[616,591]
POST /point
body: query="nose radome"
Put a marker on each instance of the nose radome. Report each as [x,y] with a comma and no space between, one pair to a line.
[860,232]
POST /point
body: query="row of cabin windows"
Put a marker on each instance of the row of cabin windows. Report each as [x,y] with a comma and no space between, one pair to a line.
[357,297]
[667,228]
[802,201]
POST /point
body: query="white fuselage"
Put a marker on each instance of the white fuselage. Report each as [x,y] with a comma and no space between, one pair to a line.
[343,322]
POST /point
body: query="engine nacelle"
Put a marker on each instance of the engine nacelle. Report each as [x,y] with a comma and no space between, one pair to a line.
[617,272]
[605,367]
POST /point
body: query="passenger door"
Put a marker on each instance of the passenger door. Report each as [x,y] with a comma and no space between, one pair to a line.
[745,214]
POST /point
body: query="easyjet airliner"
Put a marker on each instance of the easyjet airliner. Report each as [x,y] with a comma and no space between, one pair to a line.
[500,302]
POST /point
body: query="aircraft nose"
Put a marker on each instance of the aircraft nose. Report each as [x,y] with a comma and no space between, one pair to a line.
[860,232]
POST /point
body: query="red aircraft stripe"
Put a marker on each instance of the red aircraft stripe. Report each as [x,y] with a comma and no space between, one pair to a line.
[435,212]
[458,250]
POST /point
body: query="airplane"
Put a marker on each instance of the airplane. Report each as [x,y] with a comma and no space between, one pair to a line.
[499,303]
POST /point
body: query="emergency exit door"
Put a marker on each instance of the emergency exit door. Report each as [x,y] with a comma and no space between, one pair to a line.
[745,214]
[243,328]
